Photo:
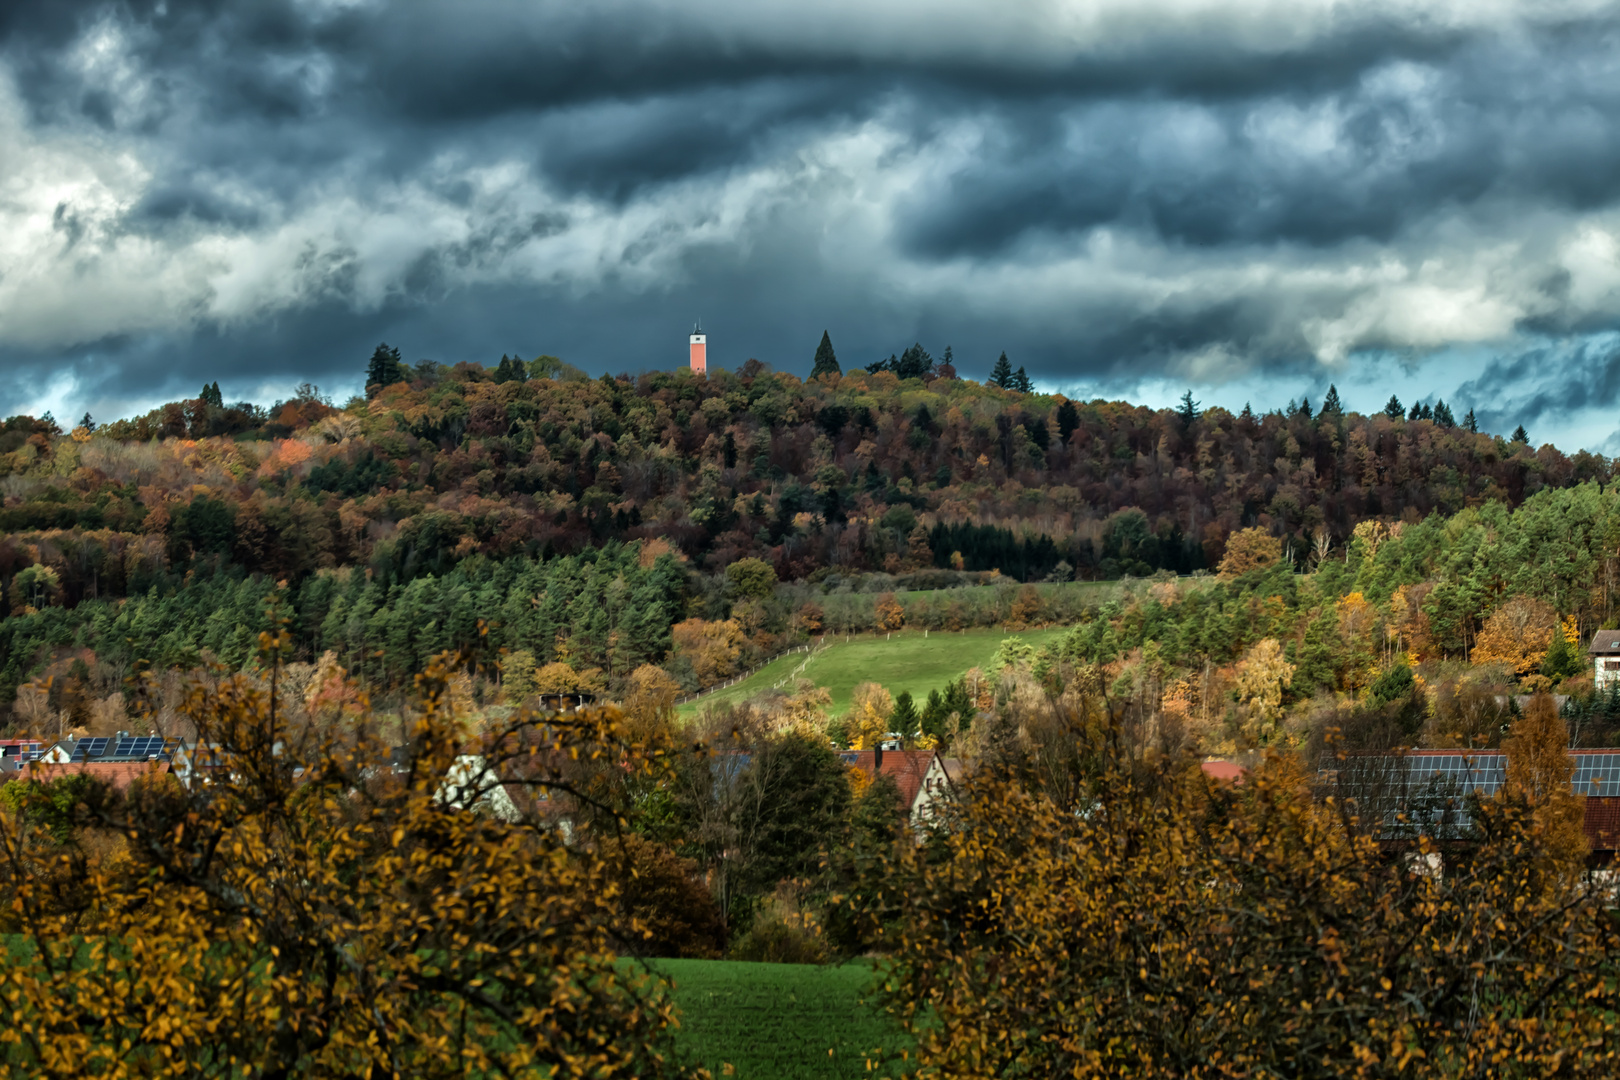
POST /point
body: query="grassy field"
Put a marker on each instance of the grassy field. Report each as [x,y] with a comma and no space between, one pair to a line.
[783,1021]
[906,661]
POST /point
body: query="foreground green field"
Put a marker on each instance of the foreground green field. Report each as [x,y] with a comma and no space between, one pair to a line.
[783,1021]
[906,661]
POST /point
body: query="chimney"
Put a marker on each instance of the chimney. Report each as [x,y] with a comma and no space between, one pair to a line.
[877,760]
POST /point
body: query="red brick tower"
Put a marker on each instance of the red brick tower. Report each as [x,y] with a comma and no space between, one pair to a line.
[699,349]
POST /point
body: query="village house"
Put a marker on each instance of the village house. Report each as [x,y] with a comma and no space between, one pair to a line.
[117,760]
[924,777]
[1605,653]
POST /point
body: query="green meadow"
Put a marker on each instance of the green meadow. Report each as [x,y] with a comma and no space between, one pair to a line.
[906,660]
[783,1021]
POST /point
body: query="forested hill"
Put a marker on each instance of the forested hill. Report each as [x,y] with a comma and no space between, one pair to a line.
[853,471]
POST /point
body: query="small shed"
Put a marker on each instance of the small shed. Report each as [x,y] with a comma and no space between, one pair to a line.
[1605,653]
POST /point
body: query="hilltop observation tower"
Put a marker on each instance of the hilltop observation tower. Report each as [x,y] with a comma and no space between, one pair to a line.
[699,349]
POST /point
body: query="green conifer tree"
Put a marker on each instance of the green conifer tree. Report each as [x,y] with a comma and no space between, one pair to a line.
[1561,659]
[1002,374]
[1314,663]
[1068,420]
[826,360]
[1331,404]
[1393,408]
[1470,423]
[1021,383]
[385,369]
[1520,435]
[1443,416]
[1187,410]
[904,718]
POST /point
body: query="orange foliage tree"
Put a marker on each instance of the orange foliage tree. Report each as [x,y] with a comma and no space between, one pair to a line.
[1517,634]
[1027,608]
[1539,771]
[887,613]
[712,647]
[1249,549]
[306,907]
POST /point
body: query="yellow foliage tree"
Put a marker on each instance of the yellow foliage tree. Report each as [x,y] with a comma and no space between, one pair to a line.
[1147,923]
[649,699]
[867,721]
[303,908]
[558,678]
[1262,676]
[1249,549]
[1517,634]
[804,712]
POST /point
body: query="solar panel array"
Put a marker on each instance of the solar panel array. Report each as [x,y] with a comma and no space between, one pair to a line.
[1597,774]
[145,746]
[1484,773]
[92,747]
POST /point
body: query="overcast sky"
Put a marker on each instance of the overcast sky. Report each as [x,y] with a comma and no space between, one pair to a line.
[1130,197]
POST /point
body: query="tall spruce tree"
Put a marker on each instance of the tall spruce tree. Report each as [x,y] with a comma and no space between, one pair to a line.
[905,719]
[385,369]
[914,363]
[1470,423]
[1442,415]
[211,396]
[1331,403]
[826,360]
[1520,435]
[1393,408]
[1020,381]
[1002,374]
[1187,410]
[1068,419]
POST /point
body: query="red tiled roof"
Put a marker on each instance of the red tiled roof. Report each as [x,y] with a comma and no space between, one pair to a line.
[907,767]
[119,774]
[1224,770]
[1602,824]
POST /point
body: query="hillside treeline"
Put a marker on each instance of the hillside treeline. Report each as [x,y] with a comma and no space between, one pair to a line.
[862,471]
[1415,632]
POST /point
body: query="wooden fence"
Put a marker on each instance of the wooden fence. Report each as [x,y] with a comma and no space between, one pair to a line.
[750,673]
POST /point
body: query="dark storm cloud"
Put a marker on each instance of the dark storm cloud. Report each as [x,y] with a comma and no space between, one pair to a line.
[1183,187]
[1538,386]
